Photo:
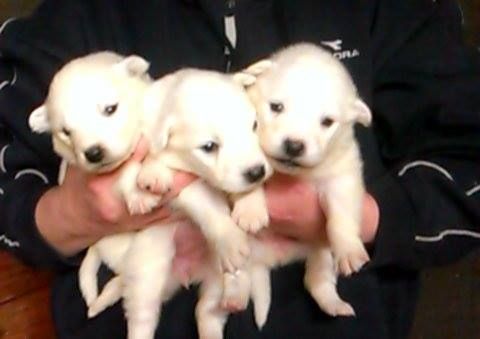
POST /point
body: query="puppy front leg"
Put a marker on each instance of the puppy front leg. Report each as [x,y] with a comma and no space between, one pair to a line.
[342,199]
[209,209]
[321,281]
[147,269]
[138,201]
[250,210]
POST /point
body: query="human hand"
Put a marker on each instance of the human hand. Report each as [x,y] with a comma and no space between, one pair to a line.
[295,214]
[85,208]
[295,210]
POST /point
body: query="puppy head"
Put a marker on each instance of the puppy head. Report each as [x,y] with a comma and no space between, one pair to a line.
[92,110]
[304,98]
[211,124]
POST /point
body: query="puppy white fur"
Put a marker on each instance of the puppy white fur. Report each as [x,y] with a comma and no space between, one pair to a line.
[88,108]
[202,139]
[304,94]
[307,106]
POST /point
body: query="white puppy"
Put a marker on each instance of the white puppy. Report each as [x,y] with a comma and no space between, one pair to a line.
[102,94]
[88,109]
[307,106]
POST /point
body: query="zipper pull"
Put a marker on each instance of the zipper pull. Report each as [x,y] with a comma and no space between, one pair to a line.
[230,32]
[231,4]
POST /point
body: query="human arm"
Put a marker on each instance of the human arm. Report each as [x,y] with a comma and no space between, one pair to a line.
[426,126]
[29,167]
[91,209]
[32,50]
[295,210]
[425,106]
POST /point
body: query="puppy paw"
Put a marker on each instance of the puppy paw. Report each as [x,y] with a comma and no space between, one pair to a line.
[250,217]
[327,298]
[350,257]
[236,290]
[141,202]
[233,249]
[94,310]
[155,179]
[337,308]
[234,304]
[89,298]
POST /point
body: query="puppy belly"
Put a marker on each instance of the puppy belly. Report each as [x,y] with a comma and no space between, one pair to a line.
[192,255]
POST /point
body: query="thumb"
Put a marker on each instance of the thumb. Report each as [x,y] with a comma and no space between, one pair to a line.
[180,181]
[371,218]
[141,150]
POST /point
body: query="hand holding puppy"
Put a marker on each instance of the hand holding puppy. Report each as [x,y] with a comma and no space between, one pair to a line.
[90,209]
[295,211]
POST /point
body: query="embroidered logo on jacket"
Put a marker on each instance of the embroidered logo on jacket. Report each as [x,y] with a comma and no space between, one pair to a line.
[336,47]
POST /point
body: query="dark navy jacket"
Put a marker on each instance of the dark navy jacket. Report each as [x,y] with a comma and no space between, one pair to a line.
[422,155]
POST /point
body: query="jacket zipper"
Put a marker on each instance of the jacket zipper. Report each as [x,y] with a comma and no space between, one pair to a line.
[230,28]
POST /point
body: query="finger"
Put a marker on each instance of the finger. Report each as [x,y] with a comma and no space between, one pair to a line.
[102,198]
[180,181]
[101,184]
[75,174]
[139,153]
[141,150]
[371,218]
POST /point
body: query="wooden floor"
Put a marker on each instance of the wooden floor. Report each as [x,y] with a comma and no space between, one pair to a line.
[449,306]
[24,301]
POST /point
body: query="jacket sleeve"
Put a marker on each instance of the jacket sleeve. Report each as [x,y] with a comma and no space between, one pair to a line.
[426,108]
[32,49]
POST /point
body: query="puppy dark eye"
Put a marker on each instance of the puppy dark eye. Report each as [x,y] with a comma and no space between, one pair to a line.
[110,109]
[255,125]
[210,147]
[276,107]
[327,122]
[66,131]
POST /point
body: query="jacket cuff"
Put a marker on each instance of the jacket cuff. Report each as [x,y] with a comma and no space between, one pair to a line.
[395,240]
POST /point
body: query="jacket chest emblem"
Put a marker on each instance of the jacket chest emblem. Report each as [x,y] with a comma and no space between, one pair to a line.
[338,50]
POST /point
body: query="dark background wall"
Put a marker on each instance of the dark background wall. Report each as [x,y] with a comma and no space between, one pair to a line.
[449,307]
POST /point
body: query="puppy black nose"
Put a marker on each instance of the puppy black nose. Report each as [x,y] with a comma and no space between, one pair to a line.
[254,174]
[293,148]
[94,154]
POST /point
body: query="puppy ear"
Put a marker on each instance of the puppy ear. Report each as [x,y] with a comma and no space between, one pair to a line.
[248,76]
[157,103]
[361,113]
[259,67]
[244,79]
[164,133]
[157,93]
[38,120]
[160,139]
[133,65]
